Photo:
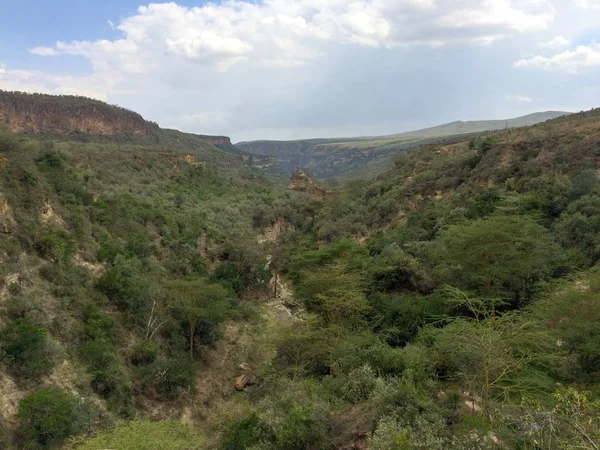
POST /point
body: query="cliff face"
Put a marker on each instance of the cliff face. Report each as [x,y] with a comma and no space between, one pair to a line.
[303,182]
[219,141]
[39,113]
[69,115]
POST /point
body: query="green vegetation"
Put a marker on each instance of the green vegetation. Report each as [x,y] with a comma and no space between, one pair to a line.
[48,417]
[451,303]
[24,350]
[142,435]
[367,157]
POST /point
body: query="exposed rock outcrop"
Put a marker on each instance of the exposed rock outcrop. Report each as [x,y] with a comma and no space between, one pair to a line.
[69,115]
[39,113]
[7,219]
[301,181]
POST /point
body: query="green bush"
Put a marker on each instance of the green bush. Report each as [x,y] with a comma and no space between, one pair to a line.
[129,286]
[110,379]
[359,384]
[100,325]
[399,317]
[391,435]
[579,227]
[59,246]
[24,350]
[244,434]
[47,417]
[295,419]
[169,377]
[143,353]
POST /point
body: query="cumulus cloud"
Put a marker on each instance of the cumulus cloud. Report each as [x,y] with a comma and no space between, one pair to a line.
[518,98]
[556,43]
[233,65]
[570,61]
[285,33]
[35,81]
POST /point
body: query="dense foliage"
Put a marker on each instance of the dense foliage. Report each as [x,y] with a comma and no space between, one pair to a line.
[451,303]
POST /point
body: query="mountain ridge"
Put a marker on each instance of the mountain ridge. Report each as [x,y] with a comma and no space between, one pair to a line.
[328,158]
[78,117]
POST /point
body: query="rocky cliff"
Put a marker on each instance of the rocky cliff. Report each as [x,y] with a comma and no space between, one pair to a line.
[48,114]
[69,115]
[301,181]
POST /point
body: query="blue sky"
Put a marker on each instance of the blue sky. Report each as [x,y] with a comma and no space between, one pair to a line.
[286,69]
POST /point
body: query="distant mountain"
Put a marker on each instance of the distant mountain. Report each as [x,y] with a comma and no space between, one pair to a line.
[327,158]
[478,126]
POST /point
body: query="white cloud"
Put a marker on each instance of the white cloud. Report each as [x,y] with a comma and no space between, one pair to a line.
[518,98]
[571,61]
[44,51]
[206,120]
[587,4]
[34,81]
[268,64]
[286,33]
[556,43]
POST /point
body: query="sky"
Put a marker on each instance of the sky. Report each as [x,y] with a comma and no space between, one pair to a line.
[291,69]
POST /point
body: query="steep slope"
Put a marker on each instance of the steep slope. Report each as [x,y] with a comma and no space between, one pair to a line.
[334,157]
[70,117]
[133,285]
[303,182]
[451,303]
[101,236]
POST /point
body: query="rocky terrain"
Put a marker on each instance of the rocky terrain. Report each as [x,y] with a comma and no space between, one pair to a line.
[301,181]
[71,116]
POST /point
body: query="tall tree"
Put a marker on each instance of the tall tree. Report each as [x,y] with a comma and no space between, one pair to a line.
[501,256]
[196,302]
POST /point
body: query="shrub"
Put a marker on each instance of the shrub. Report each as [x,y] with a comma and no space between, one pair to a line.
[58,246]
[296,419]
[244,434]
[169,377]
[24,350]
[143,353]
[360,384]
[129,286]
[48,417]
[100,326]
[391,435]
[109,377]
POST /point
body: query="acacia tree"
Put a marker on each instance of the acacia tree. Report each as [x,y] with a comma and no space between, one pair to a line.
[573,421]
[501,256]
[196,302]
[492,350]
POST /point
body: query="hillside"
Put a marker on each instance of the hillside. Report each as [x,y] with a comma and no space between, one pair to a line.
[328,158]
[173,298]
[83,118]
[478,126]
